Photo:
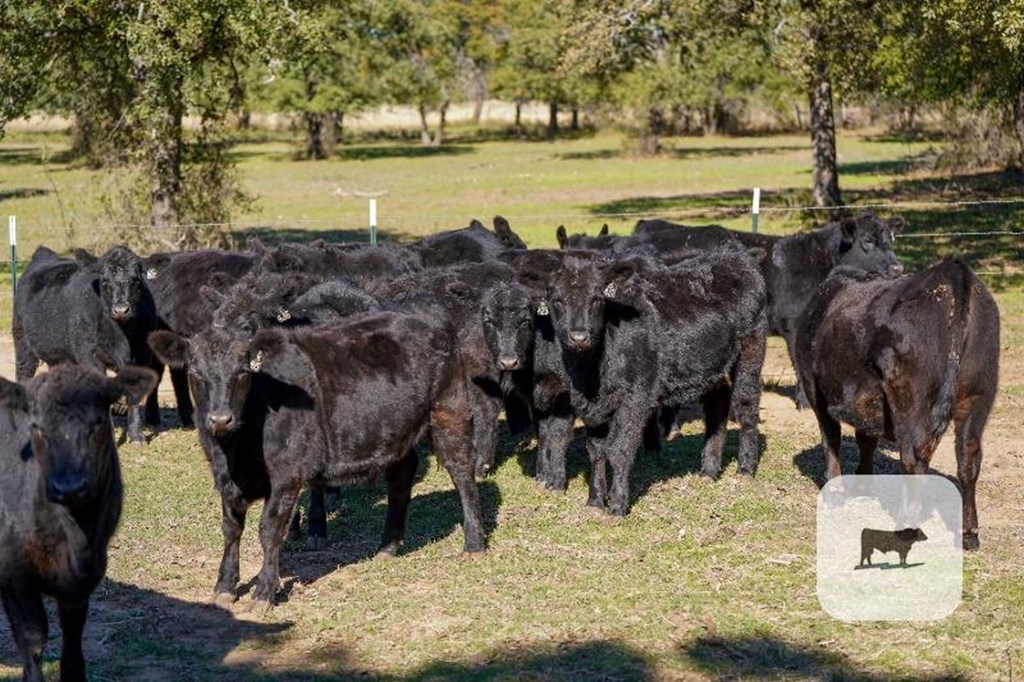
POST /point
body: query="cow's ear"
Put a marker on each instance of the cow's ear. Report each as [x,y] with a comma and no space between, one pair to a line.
[896,224]
[169,347]
[615,276]
[848,229]
[13,396]
[43,253]
[84,257]
[539,305]
[604,231]
[266,344]
[152,265]
[476,224]
[256,247]
[212,296]
[561,236]
[134,383]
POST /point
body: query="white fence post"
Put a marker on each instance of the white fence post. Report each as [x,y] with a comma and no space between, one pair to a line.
[755,208]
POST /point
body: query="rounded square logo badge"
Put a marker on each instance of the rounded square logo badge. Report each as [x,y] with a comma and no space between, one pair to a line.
[890,547]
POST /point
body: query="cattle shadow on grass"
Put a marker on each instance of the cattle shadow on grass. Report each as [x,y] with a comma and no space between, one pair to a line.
[137,633]
[811,463]
[355,526]
[772,658]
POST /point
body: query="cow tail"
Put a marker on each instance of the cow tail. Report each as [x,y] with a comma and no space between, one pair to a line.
[961,281]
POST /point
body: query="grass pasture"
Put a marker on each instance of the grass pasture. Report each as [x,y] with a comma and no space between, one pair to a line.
[702,581]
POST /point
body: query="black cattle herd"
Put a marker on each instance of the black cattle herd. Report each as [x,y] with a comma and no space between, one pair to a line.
[313,364]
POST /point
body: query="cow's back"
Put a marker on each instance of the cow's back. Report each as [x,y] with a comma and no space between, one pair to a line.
[378,363]
[176,287]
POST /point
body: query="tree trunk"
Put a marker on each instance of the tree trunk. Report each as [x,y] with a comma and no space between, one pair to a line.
[165,172]
[244,119]
[479,95]
[799,117]
[552,119]
[518,125]
[574,125]
[314,136]
[1018,126]
[824,175]
[439,138]
[424,128]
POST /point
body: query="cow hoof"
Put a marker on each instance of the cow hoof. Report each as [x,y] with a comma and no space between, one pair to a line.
[612,518]
[224,599]
[473,554]
[747,473]
[389,551]
[710,474]
[315,544]
[259,605]
[971,542]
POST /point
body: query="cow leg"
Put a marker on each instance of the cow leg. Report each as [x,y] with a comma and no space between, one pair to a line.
[596,447]
[135,424]
[866,444]
[179,380]
[295,527]
[277,512]
[831,435]
[24,608]
[316,525]
[233,510]
[400,476]
[969,422]
[652,434]
[72,624]
[554,434]
[801,398]
[485,429]
[716,420]
[745,401]
[624,438]
[152,402]
[451,441]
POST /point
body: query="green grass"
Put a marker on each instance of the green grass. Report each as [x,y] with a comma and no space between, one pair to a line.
[683,588]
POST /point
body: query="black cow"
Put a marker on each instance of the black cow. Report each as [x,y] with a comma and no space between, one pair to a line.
[899,541]
[637,334]
[60,501]
[371,266]
[471,244]
[175,279]
[459,290]
[93,312]
[793,266]
[897,359]
[263,299]
[648,239]
[289,407]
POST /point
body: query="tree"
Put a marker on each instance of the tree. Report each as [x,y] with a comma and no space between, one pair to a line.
[136,71]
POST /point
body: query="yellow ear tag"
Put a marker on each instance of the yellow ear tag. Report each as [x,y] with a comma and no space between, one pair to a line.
[257,362]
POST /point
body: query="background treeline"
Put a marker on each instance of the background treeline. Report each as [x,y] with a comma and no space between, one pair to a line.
[130,75]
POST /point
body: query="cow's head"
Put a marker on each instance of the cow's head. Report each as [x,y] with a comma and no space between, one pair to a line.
[507,310]
[508,238]
[579,295]
[71,438]
[220,368]
[121,284]
[582,241]
[911,535]
[866,244]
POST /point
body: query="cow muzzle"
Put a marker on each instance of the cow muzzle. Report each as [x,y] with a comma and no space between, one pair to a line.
[121,311]
[508,363]
[67,490]
[579,340]
[220,423]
